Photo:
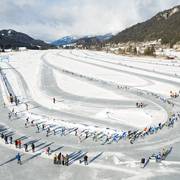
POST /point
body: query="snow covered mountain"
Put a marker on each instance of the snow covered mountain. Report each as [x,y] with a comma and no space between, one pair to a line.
[65,40]
[77,39]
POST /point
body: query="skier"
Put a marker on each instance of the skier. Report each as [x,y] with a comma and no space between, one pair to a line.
[158,157]
[48,150]
[76,133]
[26,106]
[9,115]
[37,128]
[27,120]
[10,139]
[137,104]
[2,136]
[18,157]
[54,100]
[54,132]
[6,139]
[55,159]
[43,126]
[63,159]
[85,160]
[63,131]
[26,147]
[86,135]
[11,98]
[19,143]
[16,143]
[33,147]
[59,158]
[16,100]
[48,131]
[67,160]
[32,123]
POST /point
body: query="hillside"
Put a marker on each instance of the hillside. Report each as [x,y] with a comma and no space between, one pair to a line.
[85,40]
[165,25]
[12,39]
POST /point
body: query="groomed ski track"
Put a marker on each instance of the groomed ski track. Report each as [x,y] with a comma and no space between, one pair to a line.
[95,91]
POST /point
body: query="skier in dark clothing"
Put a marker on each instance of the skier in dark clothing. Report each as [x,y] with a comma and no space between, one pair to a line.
[26,147]
[27,107]
[9,115]
[48,131]
[16,100]
[16,143]
[85,160]
[27,120]
[59,158]
[33,147]
[10,139]
[6,139]
[2,135]
[55,159]
[37,128]
[54,100]
[48,150]
[43,127]
[63,158]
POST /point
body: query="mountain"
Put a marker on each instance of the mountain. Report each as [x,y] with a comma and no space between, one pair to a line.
[82,40]
[65,40]
[165,26]
[12,39]
[94,40]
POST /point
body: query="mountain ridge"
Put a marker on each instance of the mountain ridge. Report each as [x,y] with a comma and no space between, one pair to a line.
[10,38]
[164,25]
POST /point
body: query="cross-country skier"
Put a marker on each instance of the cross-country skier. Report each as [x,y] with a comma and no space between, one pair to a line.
[10,139]
[59,158]
[18,157]
[26,147]
[33,147]
[27,107]
[54,100]
[55,159]
[85,160]
[9,115]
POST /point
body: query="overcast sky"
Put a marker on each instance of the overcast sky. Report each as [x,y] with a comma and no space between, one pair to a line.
[51,19]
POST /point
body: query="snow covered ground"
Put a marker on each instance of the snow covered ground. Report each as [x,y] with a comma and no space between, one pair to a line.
[96,95]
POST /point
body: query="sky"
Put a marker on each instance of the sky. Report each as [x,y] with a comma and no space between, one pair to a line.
[52,19]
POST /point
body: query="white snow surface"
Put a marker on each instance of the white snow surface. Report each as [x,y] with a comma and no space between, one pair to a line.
[95,92]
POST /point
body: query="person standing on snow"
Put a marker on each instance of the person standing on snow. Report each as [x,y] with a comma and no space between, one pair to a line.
[55,159]
[48,150]
[59,158]
[26,147]
[67,160]
[19,143]
[10,139]
[33,147]
[9,115]
[85,160]
[16,143]
[27,107]
[37,128]
[54,100]
[6,139]
[18,157]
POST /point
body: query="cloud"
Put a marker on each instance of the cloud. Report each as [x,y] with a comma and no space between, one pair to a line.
[50,20]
